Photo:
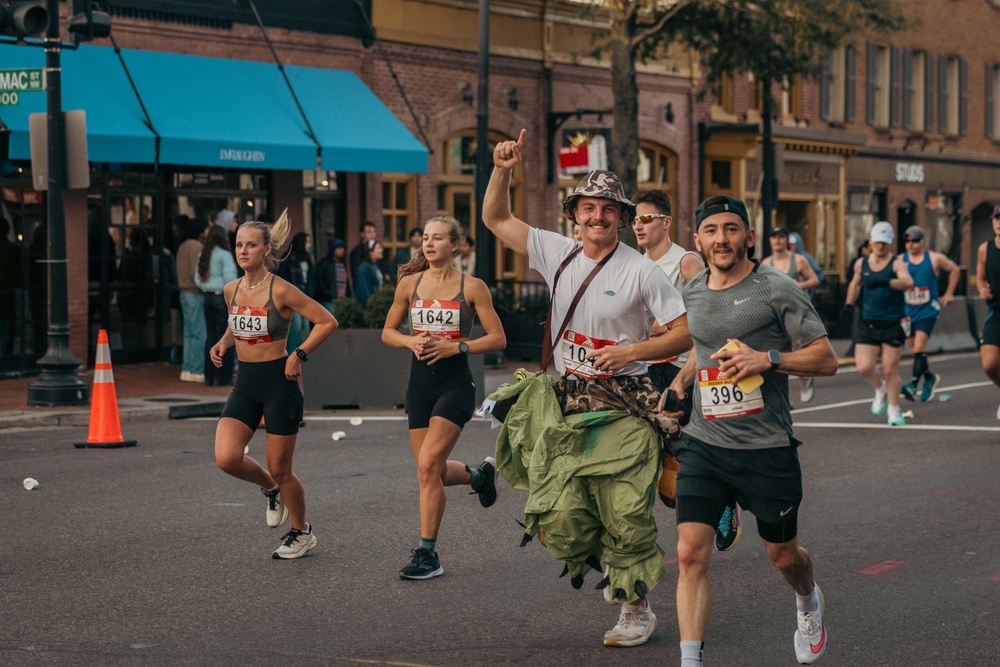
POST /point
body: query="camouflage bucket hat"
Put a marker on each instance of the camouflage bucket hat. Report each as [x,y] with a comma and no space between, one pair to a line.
[603,184]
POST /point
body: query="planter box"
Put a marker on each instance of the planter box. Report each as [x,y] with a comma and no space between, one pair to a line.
[354,369]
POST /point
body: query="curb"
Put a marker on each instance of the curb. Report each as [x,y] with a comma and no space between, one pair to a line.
[130,411]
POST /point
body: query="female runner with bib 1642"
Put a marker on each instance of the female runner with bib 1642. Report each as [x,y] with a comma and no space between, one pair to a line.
[261,306]
[441,303]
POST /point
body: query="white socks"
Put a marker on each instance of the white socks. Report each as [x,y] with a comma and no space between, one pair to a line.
[691,653]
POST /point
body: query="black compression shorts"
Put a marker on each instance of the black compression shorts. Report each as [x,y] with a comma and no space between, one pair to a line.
[263,391]
[443,389]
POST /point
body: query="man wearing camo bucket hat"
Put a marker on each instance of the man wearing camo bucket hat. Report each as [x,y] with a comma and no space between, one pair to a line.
[587,446]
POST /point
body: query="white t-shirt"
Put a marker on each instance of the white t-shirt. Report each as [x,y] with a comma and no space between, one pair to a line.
[616,309]
[671,265]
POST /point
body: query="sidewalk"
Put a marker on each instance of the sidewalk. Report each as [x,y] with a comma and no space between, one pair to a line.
[154,392]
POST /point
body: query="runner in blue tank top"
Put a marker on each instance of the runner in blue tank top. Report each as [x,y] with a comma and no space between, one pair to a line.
[884,278]
[923,304]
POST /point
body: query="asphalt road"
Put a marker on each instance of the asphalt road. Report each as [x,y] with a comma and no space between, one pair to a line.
[151,556]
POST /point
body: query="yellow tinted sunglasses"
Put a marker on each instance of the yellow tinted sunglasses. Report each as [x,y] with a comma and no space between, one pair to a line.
[647,218]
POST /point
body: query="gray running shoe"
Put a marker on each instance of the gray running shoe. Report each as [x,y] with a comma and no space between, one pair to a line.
[295,544]
[424,565]
[487,489]
[635,626]
[277,510]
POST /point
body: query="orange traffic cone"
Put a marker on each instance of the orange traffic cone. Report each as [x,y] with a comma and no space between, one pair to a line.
[105,427]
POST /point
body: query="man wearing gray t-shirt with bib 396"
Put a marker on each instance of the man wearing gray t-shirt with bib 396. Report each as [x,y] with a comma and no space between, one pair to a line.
[752,327]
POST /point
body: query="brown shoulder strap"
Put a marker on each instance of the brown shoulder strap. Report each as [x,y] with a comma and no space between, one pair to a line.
[548,341]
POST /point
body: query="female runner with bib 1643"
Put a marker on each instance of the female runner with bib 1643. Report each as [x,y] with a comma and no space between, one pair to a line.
[267,382]
[441,303]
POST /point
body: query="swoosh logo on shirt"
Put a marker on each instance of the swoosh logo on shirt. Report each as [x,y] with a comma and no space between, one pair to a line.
[786,511]
[739,301]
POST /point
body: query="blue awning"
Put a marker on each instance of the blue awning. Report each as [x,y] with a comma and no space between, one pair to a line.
[355,130]
[92,80]
[215,112]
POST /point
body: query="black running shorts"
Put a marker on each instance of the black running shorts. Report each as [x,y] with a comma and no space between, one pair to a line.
[880,332]
[263,391]
[443,389]
[991,329]
[766,482]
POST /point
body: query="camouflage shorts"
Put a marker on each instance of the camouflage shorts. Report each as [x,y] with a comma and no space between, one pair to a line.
[633,393]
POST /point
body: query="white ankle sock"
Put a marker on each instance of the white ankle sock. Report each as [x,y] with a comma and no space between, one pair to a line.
[807,602]
[691,653]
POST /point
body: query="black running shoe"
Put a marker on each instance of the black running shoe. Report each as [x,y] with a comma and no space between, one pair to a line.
[487,488]
[424,565]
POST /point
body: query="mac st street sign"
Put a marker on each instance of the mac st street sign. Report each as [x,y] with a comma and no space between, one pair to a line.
[13,82]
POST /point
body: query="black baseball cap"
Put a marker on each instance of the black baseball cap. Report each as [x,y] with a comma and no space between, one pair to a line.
[720,204]
[779,231]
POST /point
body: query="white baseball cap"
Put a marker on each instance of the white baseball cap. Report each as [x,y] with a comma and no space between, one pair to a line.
[882,232]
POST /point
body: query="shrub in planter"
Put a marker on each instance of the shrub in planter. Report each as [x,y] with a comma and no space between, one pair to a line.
[378,306]
[349,313]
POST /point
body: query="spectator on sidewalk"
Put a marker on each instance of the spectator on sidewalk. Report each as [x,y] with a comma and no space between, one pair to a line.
[216,267]
[192,300]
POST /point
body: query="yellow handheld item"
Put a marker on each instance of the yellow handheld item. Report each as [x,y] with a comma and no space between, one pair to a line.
[751,382]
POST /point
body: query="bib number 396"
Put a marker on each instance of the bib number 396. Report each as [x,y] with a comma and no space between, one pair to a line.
[721,399]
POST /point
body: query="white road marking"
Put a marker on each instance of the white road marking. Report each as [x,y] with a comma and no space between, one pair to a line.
[863,401]
[909,427]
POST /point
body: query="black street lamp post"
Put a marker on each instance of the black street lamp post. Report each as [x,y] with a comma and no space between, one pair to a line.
[58,383]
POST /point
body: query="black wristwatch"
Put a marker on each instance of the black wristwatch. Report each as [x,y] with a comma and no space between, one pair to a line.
[774,357]
[463,348]
[301,354]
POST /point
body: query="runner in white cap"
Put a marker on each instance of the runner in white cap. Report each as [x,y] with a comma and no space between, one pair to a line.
[884,278]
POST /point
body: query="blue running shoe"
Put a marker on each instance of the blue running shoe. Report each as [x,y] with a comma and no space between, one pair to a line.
[727,533]
[909,391]
[930,386]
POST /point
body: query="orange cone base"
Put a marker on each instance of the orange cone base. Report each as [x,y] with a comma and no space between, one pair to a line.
[105,445]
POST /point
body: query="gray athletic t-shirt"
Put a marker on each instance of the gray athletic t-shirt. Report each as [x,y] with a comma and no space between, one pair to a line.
[766,310]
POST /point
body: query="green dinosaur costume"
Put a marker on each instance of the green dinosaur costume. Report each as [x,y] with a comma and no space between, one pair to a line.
[591,479]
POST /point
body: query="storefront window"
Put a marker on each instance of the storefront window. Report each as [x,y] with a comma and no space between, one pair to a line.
[943,221]
[398,213]
[862,211]
[323,214]
[657,169]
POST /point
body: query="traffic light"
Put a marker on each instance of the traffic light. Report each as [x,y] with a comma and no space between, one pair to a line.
[20,19]
[86,23]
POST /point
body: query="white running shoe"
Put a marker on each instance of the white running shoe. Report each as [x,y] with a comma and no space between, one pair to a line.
[880,401]
[998,412]
[810,637]
[277,510]
[295,543]
[635,626]
[896,416]
[806,391]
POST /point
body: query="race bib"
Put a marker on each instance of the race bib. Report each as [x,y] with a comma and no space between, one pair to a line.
[575,349]
[721,399]
[917,296]
[433,316]
[907,325]
[249,324]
